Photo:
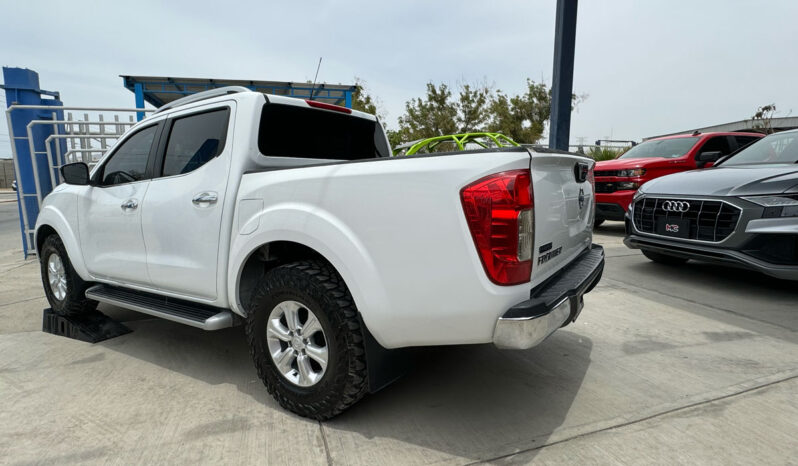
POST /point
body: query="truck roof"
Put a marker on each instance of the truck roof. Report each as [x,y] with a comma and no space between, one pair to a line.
[239,92]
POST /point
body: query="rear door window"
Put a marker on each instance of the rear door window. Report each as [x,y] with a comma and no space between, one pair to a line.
[194,140]
[310,133]
[718,143]
[743,141]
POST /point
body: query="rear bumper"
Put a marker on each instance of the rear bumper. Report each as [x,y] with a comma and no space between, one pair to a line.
[552,305]
[613,206]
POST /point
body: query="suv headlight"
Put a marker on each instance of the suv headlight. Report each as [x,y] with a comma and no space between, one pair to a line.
[777,206]
[632,172]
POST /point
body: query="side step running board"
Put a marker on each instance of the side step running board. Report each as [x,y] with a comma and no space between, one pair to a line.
[176,310]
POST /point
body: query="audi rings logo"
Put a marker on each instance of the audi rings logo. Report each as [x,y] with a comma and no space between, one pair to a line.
[675,206]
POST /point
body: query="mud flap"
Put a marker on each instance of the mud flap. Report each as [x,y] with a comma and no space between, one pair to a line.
[384,366]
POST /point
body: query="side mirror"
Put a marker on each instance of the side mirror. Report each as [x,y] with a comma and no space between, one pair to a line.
[709,156]
[75,173]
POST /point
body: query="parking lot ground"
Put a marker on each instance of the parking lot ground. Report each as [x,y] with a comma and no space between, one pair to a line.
[688,364]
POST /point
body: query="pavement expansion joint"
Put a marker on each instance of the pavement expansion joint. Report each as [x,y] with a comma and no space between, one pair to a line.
[626,286]
[692,402]
[326,445]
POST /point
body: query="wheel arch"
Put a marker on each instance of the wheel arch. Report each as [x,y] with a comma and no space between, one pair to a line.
[266,257]
[273,248]
[383,365]
[318,232]
[49,222]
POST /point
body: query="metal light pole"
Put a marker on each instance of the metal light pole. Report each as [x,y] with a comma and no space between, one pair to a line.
[563,79]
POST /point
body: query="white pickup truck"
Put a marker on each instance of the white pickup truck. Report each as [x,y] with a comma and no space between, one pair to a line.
[290,217]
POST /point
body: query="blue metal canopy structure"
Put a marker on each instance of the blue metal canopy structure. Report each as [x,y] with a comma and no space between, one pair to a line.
[160,90]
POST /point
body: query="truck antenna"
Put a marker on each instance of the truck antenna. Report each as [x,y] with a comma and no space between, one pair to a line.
[314,79]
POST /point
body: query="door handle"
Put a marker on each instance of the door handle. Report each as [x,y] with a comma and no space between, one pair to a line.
[130,204]
[205,199]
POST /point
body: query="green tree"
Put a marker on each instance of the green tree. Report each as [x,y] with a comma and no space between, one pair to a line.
[363,101]
[394,137]
[762,119]
[433,115]
[478,108]
[473,108]
[599,153]
[523,117]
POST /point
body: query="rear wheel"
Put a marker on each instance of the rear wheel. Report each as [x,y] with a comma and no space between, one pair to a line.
[597,222]
[663,258]
[64,288]
[306,341]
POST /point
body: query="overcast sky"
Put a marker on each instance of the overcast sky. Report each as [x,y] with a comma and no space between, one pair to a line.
[649,67]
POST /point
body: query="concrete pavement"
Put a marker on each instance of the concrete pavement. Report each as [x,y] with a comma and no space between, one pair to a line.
[689,364]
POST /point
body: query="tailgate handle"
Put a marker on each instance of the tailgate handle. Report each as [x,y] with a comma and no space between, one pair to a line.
[580,172]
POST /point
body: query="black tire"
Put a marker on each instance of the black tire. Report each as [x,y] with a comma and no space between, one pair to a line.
[663,258]
[597,222]
[318,287]
[74,302]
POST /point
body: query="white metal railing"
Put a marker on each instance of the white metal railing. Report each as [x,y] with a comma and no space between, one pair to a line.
[73,140]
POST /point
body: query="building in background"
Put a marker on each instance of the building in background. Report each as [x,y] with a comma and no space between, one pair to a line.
[777,124]
[160,90]
[6,173]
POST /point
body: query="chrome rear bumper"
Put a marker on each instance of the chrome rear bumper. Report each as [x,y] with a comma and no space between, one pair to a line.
[552,305]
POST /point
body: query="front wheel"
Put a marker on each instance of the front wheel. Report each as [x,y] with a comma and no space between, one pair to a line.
[306,341]
[663,258]
[64,288]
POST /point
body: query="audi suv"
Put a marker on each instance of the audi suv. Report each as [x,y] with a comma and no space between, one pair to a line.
[741,212]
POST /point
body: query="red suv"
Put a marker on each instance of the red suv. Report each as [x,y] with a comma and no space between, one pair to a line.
[617,180]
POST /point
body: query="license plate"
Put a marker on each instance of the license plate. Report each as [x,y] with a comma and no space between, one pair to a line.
[676,227]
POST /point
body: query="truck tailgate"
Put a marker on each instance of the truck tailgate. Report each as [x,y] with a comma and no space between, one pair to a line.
[564,210]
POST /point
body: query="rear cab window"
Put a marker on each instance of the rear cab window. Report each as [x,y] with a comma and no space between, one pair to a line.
[716,144]
[311,133]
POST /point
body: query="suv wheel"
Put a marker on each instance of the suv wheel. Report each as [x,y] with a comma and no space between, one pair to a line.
[663,258]
[64,288]
[306,341]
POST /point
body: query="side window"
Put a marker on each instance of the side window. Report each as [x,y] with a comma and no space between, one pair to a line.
[195,140]
[129,161]
[718,143]
[743,141]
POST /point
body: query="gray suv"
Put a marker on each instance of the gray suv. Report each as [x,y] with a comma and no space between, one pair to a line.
[742,212]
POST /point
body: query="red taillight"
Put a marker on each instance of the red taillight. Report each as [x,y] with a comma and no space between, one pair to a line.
[336,108]
[499,212]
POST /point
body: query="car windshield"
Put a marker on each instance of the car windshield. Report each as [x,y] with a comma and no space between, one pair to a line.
[776,148]
[668,148]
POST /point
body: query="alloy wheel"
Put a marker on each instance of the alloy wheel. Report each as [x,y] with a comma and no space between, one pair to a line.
[56,276]
[297,343]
